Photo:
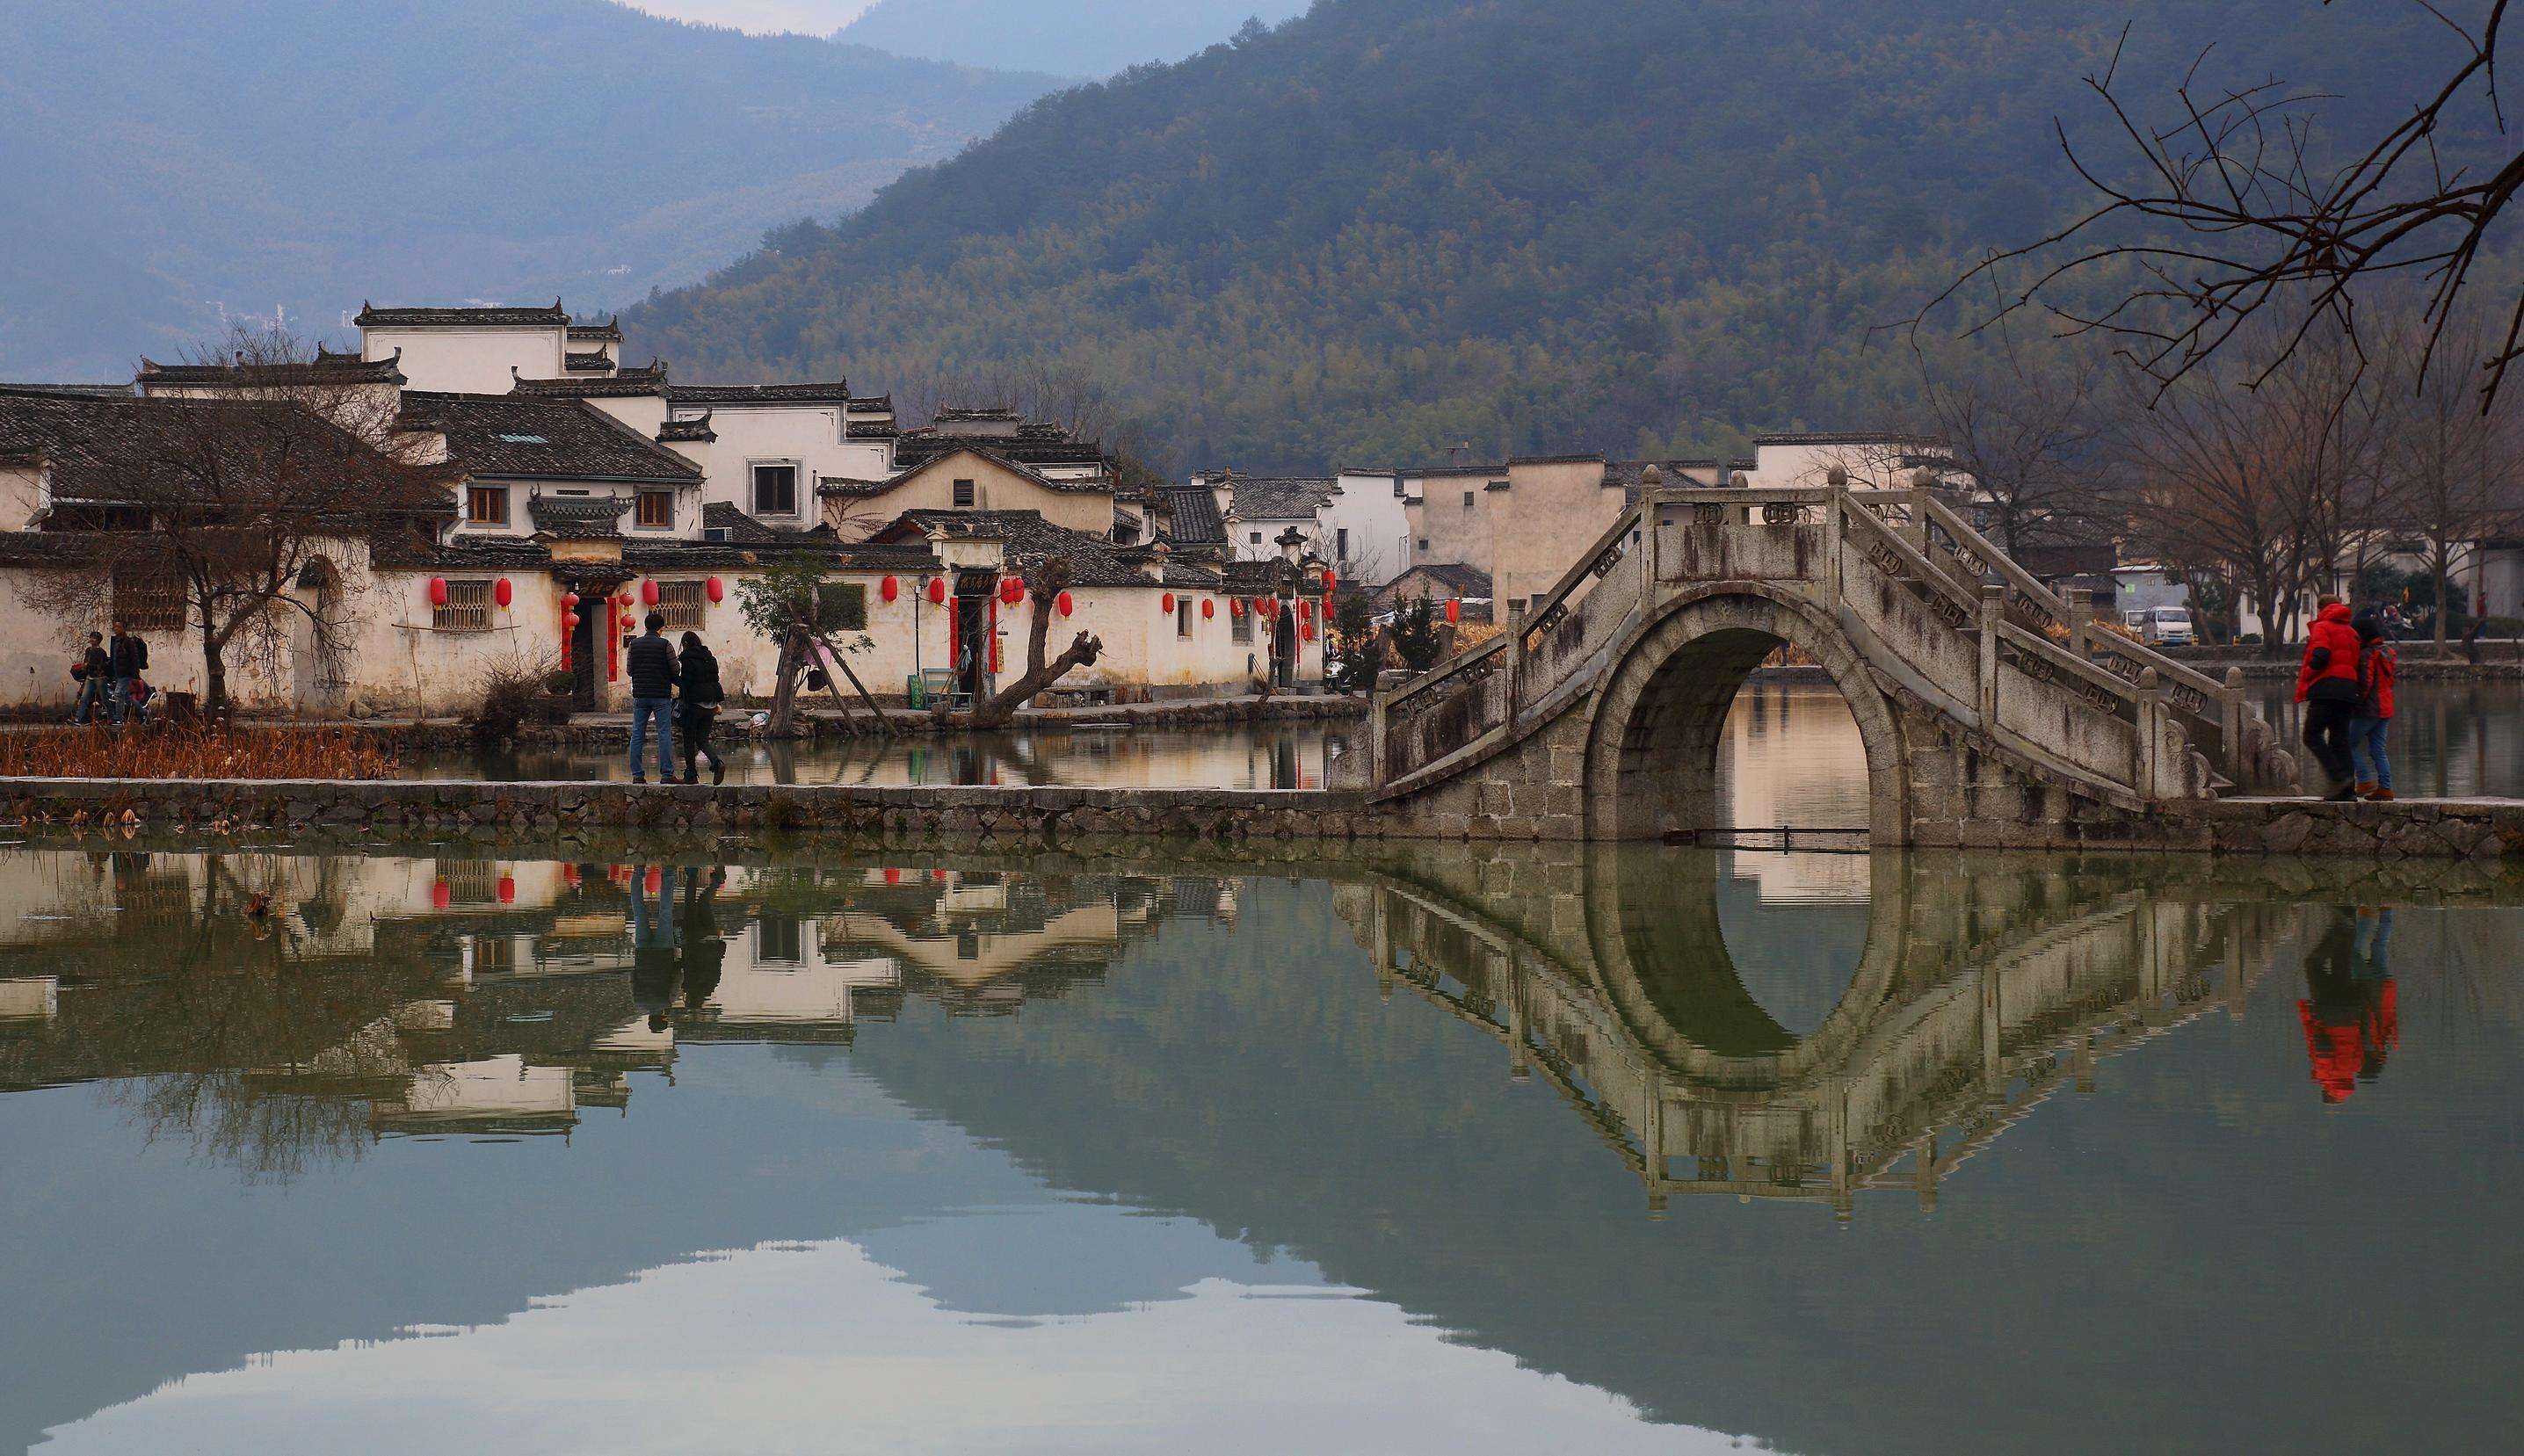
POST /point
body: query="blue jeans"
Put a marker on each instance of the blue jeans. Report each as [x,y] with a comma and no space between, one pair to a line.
[92,702]
[2367,750]
[123,691]
[662,710]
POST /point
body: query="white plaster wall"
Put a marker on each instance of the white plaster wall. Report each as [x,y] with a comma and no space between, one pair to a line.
[808,435]
[468,361]
[22,495]
[1370,508]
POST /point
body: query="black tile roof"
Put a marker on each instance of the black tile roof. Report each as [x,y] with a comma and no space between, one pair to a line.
[1277,497]
[1094,561]
[834,485]
[1195,518]
[743,529]
[410,551]
[597,362]
[872,430]
[372,317]
[710,556]
[620,384]
[873,404]
[687,430]
[608,332]
[836,393]
[1454,576]
[1842,437]
[89,442]
[528,438]
[326,368]
[578,517]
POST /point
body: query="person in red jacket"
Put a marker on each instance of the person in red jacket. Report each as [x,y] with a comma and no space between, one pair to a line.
[2326,683]
[2369,752]
[2350,1013]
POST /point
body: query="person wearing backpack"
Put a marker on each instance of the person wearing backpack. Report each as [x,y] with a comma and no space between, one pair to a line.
[2369,754]
[126,658]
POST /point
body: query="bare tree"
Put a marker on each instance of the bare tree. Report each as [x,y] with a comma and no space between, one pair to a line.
[2025,419]
[1043,584]
[235,496]
[2458,471]
[2230,216]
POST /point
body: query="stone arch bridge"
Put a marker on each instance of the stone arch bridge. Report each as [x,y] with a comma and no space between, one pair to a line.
[1992,709]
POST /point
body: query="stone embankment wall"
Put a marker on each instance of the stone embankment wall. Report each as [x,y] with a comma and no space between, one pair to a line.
[2477,829]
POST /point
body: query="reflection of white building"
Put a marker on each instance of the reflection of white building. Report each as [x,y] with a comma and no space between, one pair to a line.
[502,1093]
[30,998]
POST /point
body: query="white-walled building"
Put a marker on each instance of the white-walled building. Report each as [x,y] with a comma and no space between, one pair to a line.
[582,494]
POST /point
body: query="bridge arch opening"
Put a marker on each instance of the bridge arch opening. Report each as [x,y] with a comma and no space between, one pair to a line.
[1662,728]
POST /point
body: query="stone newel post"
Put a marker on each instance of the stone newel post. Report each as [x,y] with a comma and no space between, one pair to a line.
[1993,598]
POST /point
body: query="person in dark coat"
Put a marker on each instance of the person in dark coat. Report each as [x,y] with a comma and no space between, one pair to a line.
[126,658]
[2327,685]
[705,954]
[696,678]
[653,942]
[651,664]
[96,682]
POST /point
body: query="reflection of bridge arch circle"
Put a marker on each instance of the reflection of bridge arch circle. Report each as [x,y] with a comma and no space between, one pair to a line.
[1652,746]
[1687,1004]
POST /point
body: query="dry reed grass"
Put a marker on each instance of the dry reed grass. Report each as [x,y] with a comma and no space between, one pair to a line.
[195,753]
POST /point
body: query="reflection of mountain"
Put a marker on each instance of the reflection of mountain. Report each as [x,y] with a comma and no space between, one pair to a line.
[1254,1080]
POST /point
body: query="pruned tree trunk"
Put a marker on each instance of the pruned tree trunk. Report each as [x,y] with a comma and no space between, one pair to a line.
[1045,586]
[783,692]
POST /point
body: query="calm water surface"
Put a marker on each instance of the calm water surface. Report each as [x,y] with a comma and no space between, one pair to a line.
[1513,1150]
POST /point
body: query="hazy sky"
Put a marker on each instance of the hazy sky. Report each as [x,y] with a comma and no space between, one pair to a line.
[813,17]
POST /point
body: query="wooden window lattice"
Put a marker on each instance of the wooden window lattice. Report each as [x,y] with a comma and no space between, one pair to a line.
[682,604]
[468,608]
[149,602]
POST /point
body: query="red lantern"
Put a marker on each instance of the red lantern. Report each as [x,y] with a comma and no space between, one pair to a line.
[892,875]
[507,890]
[440,896]
[1168,603]
[1236,607]
[1306,633]
[503,593]
[1011,589]
[568,601]
[1454,609]
[888,589]
[1208,608]
[1261,606]
[938,591]
[656,877]
[570,621]
[438,591]
[649,593]
[938,874]
[717,590]
[1306,613]
[569,875]
[1066,605]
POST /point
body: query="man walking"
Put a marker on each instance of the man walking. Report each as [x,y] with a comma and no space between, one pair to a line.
[697,676]
[96,673]
[651,662]
[126,658]
[2326,683]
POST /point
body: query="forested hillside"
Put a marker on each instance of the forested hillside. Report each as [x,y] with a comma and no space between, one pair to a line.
[1396,226]
[1081,37]
[169,159]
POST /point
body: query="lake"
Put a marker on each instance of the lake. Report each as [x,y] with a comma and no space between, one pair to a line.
[402,1150]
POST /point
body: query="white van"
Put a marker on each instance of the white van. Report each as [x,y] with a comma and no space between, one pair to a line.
[2164,626]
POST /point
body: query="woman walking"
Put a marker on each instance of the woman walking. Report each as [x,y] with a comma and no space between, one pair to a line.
[2369,755]
[702,696]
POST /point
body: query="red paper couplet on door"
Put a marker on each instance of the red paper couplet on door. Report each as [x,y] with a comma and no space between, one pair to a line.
[503,593]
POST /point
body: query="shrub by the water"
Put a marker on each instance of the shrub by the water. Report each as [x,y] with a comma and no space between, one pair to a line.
[198,753]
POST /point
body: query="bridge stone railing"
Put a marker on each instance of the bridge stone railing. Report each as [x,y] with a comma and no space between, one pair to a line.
[1921,596]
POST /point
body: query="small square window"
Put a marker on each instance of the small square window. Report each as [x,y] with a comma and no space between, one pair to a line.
[486,504]
[1468,499]
[468,608]
[775,490]
[964,495]
[1182,616]
[682,604]
[657,511]
[1341,544]
[776,940]
[1257,538]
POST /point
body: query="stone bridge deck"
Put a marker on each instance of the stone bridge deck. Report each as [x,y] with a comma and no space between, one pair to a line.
[1993,711]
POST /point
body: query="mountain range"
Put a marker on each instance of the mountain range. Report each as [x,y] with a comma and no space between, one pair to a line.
[1390,228]
[173,164]
[1082,37]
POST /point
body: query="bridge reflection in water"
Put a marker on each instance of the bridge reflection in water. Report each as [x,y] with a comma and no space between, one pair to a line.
[1969,999]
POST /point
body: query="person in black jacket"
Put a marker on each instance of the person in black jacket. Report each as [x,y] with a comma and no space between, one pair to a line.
[651,664]
[126,658]
[96,678]
[696,676]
